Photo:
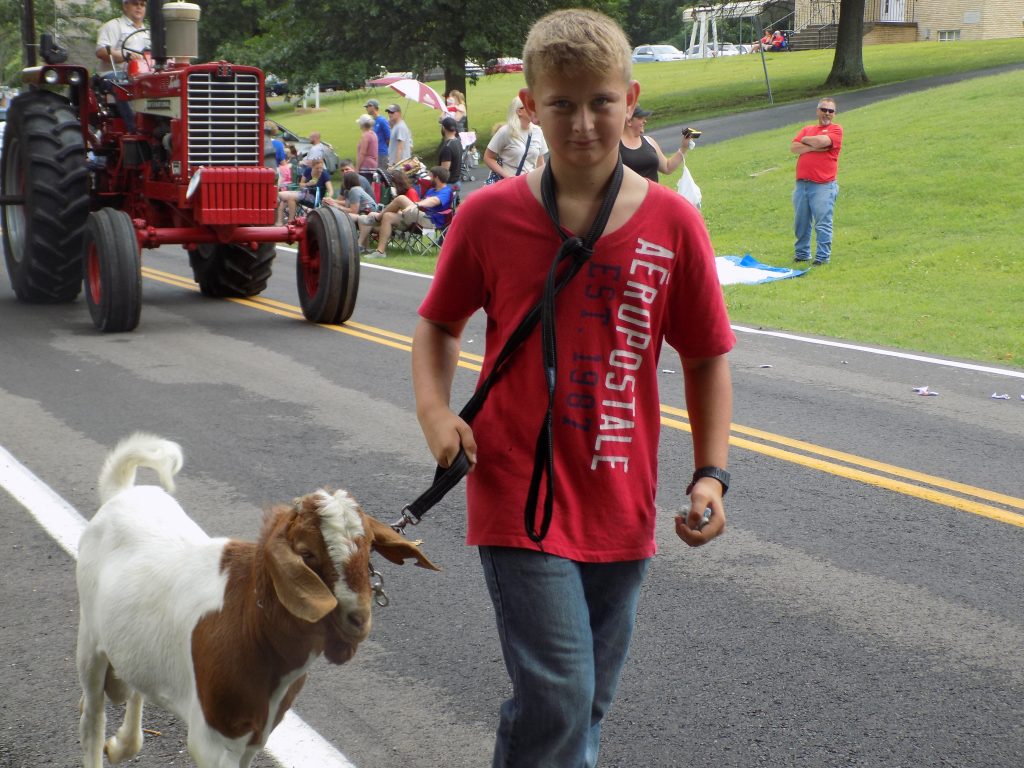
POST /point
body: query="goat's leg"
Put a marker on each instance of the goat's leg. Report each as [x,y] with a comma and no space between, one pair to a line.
[92,671]
[126,743]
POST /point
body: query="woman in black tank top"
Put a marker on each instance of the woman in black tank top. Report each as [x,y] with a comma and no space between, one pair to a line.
[642,153]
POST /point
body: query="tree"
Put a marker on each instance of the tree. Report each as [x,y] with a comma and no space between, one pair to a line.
[654,21]
[848,64]
[351,40]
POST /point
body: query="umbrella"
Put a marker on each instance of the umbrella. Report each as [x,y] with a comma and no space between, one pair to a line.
[417,91]
[385,80]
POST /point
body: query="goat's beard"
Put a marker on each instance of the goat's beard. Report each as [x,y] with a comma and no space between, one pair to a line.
[340,646]
[338,651]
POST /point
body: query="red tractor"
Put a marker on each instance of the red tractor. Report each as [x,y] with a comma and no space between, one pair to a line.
[95,168]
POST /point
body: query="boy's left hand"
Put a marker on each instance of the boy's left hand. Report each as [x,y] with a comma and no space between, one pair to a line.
[688,526]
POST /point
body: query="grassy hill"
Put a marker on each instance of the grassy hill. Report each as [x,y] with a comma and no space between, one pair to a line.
[927,253]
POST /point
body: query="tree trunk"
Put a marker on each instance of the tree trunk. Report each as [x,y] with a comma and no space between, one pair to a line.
[848,64]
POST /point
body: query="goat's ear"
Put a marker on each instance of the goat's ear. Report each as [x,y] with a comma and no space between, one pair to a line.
[394,546]
[299,589]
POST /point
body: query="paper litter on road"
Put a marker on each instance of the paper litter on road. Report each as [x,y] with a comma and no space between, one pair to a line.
[925,392]
[997,396]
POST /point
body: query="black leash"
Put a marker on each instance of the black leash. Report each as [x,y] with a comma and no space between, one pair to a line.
[579,251]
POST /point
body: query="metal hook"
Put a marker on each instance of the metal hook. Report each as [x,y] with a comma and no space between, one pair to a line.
[377,585]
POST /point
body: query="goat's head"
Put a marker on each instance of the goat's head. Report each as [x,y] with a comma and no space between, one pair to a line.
[318,557]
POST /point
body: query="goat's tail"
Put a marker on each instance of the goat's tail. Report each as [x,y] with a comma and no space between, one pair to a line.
[139,450]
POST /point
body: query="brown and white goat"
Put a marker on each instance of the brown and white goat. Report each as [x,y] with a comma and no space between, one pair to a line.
[217,631]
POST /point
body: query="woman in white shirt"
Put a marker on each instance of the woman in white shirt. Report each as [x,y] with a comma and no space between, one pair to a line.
[508,153]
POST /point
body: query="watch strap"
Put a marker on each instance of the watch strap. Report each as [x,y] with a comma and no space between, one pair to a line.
[718,473]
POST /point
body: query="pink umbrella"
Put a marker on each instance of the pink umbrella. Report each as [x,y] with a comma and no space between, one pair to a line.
[386,80]
[417,91]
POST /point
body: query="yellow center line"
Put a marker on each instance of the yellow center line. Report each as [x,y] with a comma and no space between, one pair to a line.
[473,362]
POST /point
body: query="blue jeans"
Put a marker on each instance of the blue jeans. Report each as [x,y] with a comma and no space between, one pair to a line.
[813,204]
[565,628]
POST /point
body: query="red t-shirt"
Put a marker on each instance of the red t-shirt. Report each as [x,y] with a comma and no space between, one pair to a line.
[652,279]
[820,167]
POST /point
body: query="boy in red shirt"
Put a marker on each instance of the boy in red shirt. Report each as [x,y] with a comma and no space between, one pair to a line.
[564,575]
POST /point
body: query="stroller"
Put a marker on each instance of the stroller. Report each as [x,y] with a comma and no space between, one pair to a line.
[470,157]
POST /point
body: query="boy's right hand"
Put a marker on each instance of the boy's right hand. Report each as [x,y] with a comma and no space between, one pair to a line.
[446,433]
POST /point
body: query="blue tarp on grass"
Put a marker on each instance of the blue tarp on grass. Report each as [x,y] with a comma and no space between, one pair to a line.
[746,270]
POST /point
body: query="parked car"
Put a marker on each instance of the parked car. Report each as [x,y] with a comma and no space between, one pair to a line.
[275,86]
[712,51]
[473,70]
[646,53]
[302,145]
[502,65]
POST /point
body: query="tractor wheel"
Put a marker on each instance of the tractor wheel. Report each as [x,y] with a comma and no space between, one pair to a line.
[113,271]
[43,162]
[327,269]
[226,270]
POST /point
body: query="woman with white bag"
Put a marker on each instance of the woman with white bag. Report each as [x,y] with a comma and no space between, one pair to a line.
[642,153]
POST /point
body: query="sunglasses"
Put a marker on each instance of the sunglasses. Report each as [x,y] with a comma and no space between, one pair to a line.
[826,109]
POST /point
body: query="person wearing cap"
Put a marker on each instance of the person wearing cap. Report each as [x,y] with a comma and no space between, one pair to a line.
[400,146]
[366,149]
[116,32]
[382,128]
[642,153]
[449,154]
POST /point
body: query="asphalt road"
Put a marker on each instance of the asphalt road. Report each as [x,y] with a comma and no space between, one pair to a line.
[862,610]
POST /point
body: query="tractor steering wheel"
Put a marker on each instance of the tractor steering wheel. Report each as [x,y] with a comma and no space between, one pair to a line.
[126,49]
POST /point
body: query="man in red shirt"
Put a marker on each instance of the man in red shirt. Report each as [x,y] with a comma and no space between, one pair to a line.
[814,198]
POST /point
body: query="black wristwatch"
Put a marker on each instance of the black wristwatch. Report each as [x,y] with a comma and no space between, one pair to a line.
[716,472]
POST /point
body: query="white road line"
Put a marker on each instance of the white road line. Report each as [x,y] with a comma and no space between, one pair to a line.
[883,352]
[293,744]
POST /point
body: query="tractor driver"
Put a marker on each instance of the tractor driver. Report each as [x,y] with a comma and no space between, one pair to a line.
[115,32]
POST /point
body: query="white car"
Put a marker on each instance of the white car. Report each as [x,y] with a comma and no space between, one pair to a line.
[712,51]
[645,53]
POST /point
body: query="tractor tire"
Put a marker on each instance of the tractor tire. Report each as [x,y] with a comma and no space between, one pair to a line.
[327,270]
[44,163]
[112,271]
[227,270]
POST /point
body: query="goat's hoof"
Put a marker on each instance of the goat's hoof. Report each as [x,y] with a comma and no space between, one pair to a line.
[118,751]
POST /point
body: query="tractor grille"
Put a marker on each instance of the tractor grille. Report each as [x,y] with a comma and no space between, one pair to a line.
[224,119]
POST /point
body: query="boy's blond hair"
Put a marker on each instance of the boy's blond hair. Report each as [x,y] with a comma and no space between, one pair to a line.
[576,41]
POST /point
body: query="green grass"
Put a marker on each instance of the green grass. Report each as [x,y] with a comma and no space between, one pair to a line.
[927,248]
[927,252]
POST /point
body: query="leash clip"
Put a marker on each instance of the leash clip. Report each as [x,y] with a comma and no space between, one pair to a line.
[406,518]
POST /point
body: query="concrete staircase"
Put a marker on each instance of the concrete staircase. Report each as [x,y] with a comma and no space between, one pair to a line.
[814,36]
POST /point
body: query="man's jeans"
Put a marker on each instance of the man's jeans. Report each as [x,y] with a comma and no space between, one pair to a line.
[565,629]
[813,204]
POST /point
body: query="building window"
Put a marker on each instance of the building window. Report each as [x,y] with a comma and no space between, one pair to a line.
[949,35]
